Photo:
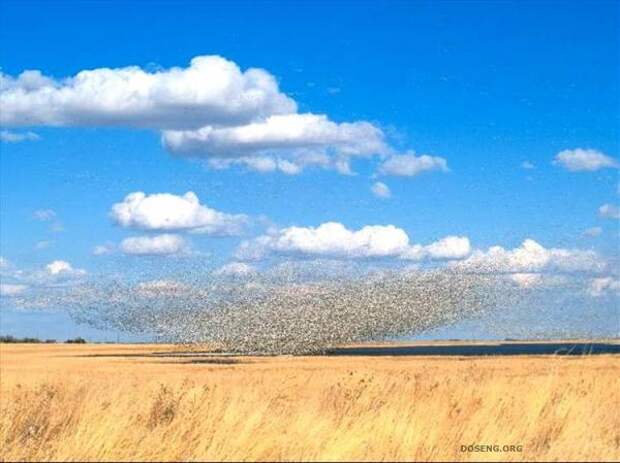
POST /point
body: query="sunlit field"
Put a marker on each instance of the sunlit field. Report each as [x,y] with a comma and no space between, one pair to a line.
[118,402]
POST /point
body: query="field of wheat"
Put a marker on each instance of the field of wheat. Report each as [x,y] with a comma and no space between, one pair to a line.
[118,403]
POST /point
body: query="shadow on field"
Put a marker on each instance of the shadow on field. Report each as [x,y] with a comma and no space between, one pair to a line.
[209,361]
[577,348]
[499,349]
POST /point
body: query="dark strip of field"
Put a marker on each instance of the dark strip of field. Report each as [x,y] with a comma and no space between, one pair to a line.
[498,349]
[453,349]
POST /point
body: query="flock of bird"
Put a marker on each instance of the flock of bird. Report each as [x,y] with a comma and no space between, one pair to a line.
[272,314]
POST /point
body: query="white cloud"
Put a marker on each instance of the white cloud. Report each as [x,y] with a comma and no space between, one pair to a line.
[8,136]
[527,165]
[235,269]
[159,245]
[211,91]
[609,211]
[58,266]
[409,165]
[44,215]
[593,232]
[264,164]
[62,267]
[380,190]
[580,159]
[168,212]
[605,285]
[450,247]
[210,110]
[4,263]
[332,239]
[279,132]
[57,273]
[288,143]
[10,290]
[531,257]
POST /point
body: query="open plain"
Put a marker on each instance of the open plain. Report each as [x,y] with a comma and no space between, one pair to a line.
[165,403]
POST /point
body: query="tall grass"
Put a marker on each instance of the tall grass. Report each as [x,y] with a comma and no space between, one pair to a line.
[58,404]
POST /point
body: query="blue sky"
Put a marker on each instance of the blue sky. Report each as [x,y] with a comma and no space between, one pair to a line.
[485,87]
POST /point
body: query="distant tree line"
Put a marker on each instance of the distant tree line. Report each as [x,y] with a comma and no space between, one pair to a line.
[27,340]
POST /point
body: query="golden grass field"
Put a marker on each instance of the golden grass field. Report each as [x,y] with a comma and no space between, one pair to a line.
[59,402]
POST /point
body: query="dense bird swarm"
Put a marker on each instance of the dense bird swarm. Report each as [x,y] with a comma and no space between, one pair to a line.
[276,315]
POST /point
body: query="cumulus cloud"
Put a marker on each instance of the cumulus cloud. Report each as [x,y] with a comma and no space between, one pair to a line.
[4,263]
[450,247]
[8,136]
[235,269]
[579,160]
[332,239]
[531,258]
[58,266]
[609,211]
[263,164]
[210,91]
[380,190]
[410,165]
[210,110]
[168,212]
[604,285]
[277,133]
[159,245]
[288,143]
[62,267]
[58,273]
[266,164]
